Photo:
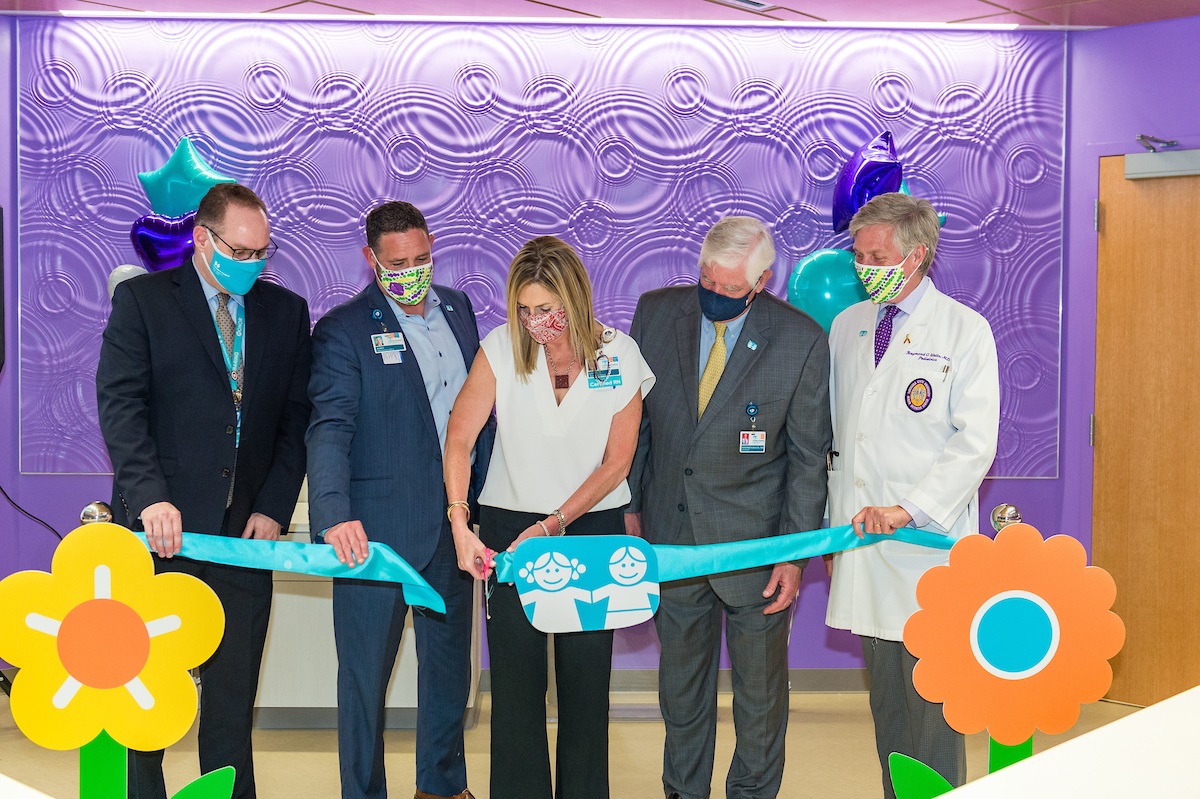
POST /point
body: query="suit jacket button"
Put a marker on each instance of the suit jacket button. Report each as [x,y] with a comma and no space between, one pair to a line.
[224,472]
[688,472]
[229,430]
[682,507]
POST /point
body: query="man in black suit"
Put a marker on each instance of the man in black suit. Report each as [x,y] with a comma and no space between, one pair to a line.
[202,394]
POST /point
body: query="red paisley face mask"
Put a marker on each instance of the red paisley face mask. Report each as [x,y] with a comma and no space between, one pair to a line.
[544,327]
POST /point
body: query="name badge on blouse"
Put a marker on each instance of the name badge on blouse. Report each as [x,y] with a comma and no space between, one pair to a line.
[607,373]
[389,346]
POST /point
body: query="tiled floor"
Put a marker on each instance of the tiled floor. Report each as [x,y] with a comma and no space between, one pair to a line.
[830,754]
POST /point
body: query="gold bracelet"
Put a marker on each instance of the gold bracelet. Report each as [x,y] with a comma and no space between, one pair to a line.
[562,521]
[462,502]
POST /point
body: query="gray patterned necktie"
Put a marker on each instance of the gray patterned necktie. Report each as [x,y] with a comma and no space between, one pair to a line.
[225,326]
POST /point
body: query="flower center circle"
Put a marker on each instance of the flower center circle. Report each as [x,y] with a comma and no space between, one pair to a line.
[1014,635]
[103,643]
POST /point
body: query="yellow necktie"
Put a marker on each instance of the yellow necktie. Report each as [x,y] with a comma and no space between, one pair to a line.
[714,367]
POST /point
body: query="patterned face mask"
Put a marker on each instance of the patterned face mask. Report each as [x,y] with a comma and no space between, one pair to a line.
[544,327]
[883,283]
[406,286]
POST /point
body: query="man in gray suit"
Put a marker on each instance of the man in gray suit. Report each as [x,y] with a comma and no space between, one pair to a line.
[732,447]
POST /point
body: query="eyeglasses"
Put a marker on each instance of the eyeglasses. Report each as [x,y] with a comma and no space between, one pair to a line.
[243,254]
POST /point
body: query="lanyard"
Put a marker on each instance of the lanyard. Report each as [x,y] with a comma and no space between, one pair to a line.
[233,363]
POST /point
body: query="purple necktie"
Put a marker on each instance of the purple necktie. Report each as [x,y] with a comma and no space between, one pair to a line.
[883,333]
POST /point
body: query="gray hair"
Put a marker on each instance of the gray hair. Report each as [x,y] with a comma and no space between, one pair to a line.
[736,237]
[913,221]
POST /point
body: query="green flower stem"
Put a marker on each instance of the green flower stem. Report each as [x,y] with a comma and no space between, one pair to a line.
[1000,755]
[102,769]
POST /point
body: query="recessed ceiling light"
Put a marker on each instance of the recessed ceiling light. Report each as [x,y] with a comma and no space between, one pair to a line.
[748,5]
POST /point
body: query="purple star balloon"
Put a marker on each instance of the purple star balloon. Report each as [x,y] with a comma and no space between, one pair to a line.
[871,171]
[163,241]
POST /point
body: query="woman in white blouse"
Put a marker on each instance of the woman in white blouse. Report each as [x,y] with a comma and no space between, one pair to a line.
[568,397]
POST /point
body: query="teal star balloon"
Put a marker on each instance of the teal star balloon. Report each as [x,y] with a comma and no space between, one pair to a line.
[177,187]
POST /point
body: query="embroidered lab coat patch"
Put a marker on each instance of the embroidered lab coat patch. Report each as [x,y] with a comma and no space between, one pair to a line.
[918,395]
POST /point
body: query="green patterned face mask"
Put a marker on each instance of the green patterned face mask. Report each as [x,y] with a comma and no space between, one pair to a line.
[883,283]
[407,286]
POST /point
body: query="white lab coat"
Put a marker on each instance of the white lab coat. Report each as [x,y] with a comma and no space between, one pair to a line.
[935,458]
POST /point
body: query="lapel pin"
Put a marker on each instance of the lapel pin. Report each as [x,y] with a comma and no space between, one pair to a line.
[862,333]
[753,345]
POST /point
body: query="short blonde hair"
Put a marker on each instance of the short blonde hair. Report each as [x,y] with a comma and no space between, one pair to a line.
[913,221]
[552,263]
[736,237]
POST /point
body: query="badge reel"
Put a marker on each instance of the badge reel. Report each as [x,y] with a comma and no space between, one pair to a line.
[607,373]
[752,441]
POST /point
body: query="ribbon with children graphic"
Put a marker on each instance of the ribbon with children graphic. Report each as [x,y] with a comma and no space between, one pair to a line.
[612,581]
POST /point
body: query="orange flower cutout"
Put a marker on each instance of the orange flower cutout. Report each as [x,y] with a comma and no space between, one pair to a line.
[1014,634]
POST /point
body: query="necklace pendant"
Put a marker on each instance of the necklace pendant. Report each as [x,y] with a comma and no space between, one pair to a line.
[562,381]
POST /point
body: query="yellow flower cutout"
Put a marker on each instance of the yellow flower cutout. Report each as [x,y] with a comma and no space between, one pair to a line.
[104,643]
[1014,634]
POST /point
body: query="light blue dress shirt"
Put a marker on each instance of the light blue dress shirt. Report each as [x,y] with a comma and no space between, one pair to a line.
[210,294]
[906,306]
[432,342]
[708,337]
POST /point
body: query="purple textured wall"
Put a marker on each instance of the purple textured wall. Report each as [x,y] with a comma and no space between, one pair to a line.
[675,136]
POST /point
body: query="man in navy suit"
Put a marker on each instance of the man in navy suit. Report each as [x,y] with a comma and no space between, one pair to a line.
[387,367]
[201,389]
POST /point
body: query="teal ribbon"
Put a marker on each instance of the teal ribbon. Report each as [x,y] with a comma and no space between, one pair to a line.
[318,560]
[681,562]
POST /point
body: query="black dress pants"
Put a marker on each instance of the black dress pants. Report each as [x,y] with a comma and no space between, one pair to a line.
[228,680]
[583,665]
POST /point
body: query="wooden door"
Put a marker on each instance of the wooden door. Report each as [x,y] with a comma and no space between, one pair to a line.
[1146,517]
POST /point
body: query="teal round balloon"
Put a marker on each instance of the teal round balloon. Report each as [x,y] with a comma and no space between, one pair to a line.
[824,284]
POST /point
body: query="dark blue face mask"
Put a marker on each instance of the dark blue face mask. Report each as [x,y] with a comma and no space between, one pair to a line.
[719,308]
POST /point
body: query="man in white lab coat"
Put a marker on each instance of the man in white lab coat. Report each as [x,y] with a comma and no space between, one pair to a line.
[915,396]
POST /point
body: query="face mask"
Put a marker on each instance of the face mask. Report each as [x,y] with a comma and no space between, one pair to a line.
[406,286]
[718,307]
[544,327]
[883,283]
[236,277]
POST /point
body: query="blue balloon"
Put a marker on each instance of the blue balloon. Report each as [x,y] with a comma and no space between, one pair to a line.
[163,242]
[824,284]
[177,187]
[874,169]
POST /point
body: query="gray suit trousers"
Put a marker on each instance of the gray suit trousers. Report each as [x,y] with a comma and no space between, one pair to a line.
[689,629]
[904,721]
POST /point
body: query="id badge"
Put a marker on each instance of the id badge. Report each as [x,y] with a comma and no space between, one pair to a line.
[392,356]
[388,342]
[753,442]
[606,376]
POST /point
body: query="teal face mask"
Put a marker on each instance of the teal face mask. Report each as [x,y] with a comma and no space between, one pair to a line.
[236,277]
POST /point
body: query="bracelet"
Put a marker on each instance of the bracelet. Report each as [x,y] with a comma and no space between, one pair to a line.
[562,521]
[464,504]
[542,525]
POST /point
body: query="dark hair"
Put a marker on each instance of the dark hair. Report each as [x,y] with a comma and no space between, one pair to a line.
[394,217]
[211,212]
